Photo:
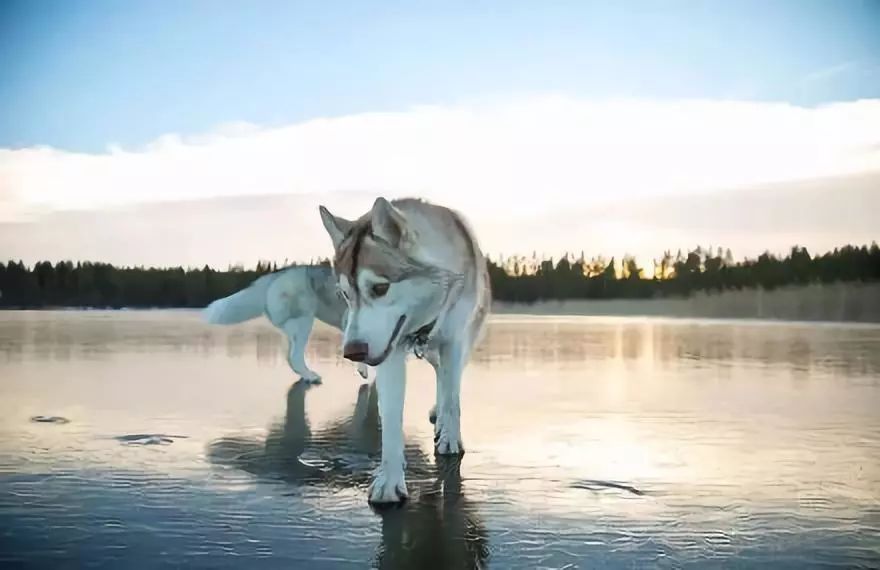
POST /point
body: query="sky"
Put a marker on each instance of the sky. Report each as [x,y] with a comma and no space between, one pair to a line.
[553,126]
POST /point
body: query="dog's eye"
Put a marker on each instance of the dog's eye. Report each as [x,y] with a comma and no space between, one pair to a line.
[379,289]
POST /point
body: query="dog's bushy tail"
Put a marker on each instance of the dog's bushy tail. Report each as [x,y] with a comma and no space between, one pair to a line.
[247,304]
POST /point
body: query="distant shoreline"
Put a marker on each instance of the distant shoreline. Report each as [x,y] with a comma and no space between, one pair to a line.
[841,302]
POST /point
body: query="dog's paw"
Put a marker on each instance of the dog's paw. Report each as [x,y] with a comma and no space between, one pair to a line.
[311,378]
[448,445]
[447,437]
[388,486]
[363,370]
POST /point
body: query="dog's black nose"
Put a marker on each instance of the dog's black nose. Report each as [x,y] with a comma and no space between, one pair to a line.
[356,351]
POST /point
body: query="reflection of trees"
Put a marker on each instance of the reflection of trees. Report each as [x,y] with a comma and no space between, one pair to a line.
[800,347]
[96,335]
[437,528]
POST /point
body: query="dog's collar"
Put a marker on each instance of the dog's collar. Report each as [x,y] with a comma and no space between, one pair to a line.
[419,339]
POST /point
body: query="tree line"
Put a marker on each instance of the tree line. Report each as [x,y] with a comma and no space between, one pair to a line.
[87,284]
[523,280]
[514,279]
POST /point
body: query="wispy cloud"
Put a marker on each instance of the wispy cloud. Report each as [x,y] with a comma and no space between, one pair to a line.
[831,72]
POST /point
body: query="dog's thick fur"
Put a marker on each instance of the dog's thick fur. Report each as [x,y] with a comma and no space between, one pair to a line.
[414,278]
[291,299]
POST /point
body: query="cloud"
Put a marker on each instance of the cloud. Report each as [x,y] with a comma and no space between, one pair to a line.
[514,157]
[819,214]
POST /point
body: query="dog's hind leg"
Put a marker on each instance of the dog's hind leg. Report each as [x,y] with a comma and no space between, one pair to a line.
[433,358]
[298,330]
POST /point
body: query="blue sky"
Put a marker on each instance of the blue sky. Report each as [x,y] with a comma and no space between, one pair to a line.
[82,76]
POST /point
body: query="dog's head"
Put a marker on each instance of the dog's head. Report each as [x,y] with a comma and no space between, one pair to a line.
[390,293]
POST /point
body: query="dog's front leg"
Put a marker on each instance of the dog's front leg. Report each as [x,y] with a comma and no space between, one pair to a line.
[389,482]
[447,427]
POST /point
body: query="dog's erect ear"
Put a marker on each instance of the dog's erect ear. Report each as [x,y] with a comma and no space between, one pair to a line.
[337,227]
[389,224]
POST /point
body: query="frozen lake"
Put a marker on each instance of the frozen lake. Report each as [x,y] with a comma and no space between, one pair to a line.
[591,442]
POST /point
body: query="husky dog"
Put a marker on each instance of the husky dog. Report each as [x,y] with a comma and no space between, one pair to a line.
[291,299]
[416,281]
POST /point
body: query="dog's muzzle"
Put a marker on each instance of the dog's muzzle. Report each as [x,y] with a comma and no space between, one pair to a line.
[381,358]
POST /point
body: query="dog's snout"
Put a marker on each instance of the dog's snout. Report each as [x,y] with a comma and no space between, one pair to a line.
[356,351]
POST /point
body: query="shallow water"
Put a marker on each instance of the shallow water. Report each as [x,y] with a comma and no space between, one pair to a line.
[590,443]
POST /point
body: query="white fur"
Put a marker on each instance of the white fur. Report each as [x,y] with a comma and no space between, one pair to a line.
[247,304]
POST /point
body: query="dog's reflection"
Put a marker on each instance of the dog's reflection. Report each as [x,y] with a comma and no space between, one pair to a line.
[437,528]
